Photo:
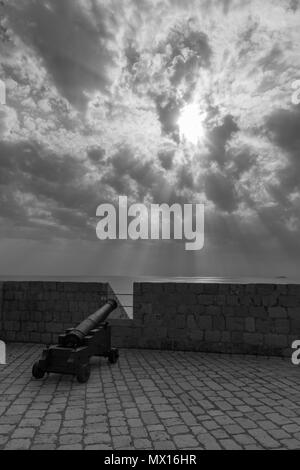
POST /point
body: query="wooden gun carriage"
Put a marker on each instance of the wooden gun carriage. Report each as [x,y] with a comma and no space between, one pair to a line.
[76,346]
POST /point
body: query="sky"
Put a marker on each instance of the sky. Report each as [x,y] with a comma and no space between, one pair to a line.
[95,90]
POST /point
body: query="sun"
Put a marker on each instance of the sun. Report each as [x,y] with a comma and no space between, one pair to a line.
[190,124]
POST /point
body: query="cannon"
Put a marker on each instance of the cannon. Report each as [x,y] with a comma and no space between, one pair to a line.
[92,337]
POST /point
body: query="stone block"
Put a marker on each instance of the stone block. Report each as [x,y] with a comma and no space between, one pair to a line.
[276,340]
[8,325]
[250,325]
[213,310]
[169,288]
[191,323]
[197,288]
[212,336]
[282,326]
[258,312]
[281,289]
[220,299]
[232,300]
[257,300]
[293,313]
[235,324]
[211,288]
[294,289]
[205,299]
[250,289]
[295,326]
[277,312]
[265,288]
[289,301]
[270,300]
[35,337]
[204,322]
[253,338]
[219,322]
[245,300]
[196,335]
[225,337]
[46,338]
[264,325]
[237,337]
[180,321]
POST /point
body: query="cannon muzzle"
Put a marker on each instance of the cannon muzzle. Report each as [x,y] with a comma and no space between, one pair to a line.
[75,337]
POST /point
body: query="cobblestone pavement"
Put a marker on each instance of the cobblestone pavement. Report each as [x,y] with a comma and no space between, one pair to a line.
[152,400]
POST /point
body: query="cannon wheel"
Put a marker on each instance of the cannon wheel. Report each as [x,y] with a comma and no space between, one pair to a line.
[113,356]
[37,372]
[83,373]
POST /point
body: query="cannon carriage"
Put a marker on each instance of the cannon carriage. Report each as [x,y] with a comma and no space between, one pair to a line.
[92,337]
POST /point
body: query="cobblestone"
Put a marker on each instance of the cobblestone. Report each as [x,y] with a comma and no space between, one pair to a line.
[152,400]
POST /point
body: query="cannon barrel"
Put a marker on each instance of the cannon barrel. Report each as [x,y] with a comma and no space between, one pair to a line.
[75,337]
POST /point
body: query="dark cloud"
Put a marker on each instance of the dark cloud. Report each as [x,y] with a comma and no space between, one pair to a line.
[187,37]
[219,137]
[274,219]
[190,52]
[283,128]
[168,112]
[166,158]
[230,231]
[271,60]
[247,42]
[70,218]
[241,162]
[184,52]
[32,177]
[226,6]
[31,159]
[96,155]
[220,190]
[72,49]
[131,174]
[3,127]
[279,196]
[10,206]
[126,166]
[132,55]
[185,178]
[263,236]
[184,69]
[294,5]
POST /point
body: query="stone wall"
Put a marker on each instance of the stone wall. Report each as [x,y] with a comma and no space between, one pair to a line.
[225,318]
[39,311]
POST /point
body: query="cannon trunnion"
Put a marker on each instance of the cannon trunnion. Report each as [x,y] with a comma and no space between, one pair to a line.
[76,346]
